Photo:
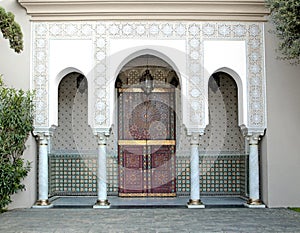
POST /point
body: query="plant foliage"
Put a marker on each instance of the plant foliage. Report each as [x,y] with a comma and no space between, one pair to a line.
[11,30]
[16,122]
[285,15]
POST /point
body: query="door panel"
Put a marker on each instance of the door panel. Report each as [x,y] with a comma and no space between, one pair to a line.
[147,143]
[162,169]
[132,175]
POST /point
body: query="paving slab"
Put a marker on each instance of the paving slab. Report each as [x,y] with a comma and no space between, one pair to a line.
[120,202]
[150,220]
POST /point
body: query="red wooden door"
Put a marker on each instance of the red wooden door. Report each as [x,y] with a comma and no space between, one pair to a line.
[147,142]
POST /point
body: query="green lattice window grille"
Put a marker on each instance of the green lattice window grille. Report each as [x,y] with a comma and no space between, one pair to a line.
[112,175]
[75,174]
[223,175]
[183,175]
[72,174]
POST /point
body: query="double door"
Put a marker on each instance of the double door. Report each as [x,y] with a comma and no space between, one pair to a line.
[146,142]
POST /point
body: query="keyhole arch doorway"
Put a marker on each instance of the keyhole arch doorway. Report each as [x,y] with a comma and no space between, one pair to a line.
[147,127]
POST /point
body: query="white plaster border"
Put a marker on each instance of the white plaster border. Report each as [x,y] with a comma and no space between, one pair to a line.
[102,32]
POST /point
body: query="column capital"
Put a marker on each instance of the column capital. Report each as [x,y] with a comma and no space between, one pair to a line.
[102,135]
[42,137]
[195,138]
[44,133]
[190,131]
[102,138]
[254,138]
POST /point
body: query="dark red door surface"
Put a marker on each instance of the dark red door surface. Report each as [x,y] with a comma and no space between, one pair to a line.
[147,142]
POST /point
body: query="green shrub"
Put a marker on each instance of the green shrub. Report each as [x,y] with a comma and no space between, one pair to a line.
[11,30]
[16,122]
[286,19]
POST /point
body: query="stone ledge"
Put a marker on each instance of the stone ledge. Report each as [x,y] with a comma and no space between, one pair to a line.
[220,10]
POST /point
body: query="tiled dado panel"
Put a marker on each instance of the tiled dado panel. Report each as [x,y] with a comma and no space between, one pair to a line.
[74,174]
[226,174]
[219,175]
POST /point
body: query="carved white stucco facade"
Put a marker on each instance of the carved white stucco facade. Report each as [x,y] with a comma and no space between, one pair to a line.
[196,39]
[195,50]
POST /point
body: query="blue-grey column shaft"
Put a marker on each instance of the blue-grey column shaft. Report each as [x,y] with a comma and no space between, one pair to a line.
[102,201]
[43,169]
[101,173]
[43,201]
[195,171]
[254,170]
[195,201]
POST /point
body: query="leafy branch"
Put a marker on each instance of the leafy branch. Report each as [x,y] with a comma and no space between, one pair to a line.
[11,30]
[286,18]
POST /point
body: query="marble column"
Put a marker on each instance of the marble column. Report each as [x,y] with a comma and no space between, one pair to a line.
[102,201]
[43,201]
[254,197]
[195,201]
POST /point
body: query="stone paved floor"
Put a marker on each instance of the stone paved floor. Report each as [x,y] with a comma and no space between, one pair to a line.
[150,220]
[89,201]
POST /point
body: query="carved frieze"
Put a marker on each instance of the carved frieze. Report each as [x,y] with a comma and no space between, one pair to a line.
[102,32]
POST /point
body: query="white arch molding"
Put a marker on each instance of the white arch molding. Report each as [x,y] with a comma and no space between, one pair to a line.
[102,40]
[242,96]
[173,56]
[66,56]
[53,95]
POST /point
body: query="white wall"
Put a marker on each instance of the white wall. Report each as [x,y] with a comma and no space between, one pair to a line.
[220,55]
[16,71]
[68,54]
[16,67]
[280,147]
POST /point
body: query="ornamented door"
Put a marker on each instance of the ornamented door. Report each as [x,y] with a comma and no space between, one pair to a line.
[147,142]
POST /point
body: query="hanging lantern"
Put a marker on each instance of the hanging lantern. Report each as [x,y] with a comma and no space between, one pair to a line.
[147,82]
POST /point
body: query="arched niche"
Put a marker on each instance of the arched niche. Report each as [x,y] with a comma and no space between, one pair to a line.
[242,95]
[53,94]
[73,132]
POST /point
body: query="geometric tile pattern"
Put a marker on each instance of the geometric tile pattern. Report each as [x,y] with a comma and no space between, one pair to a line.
[112,175]
[183,175]
[223,133]
[223,175]
[75,174]
[72,174]
[73,131]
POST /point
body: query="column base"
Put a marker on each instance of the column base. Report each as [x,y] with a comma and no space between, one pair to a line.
[42,204]
[254,204]
[195,204]
[102,204]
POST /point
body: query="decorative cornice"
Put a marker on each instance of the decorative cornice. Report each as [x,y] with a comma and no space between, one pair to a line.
[220,10]
[44,132]
[102,131]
